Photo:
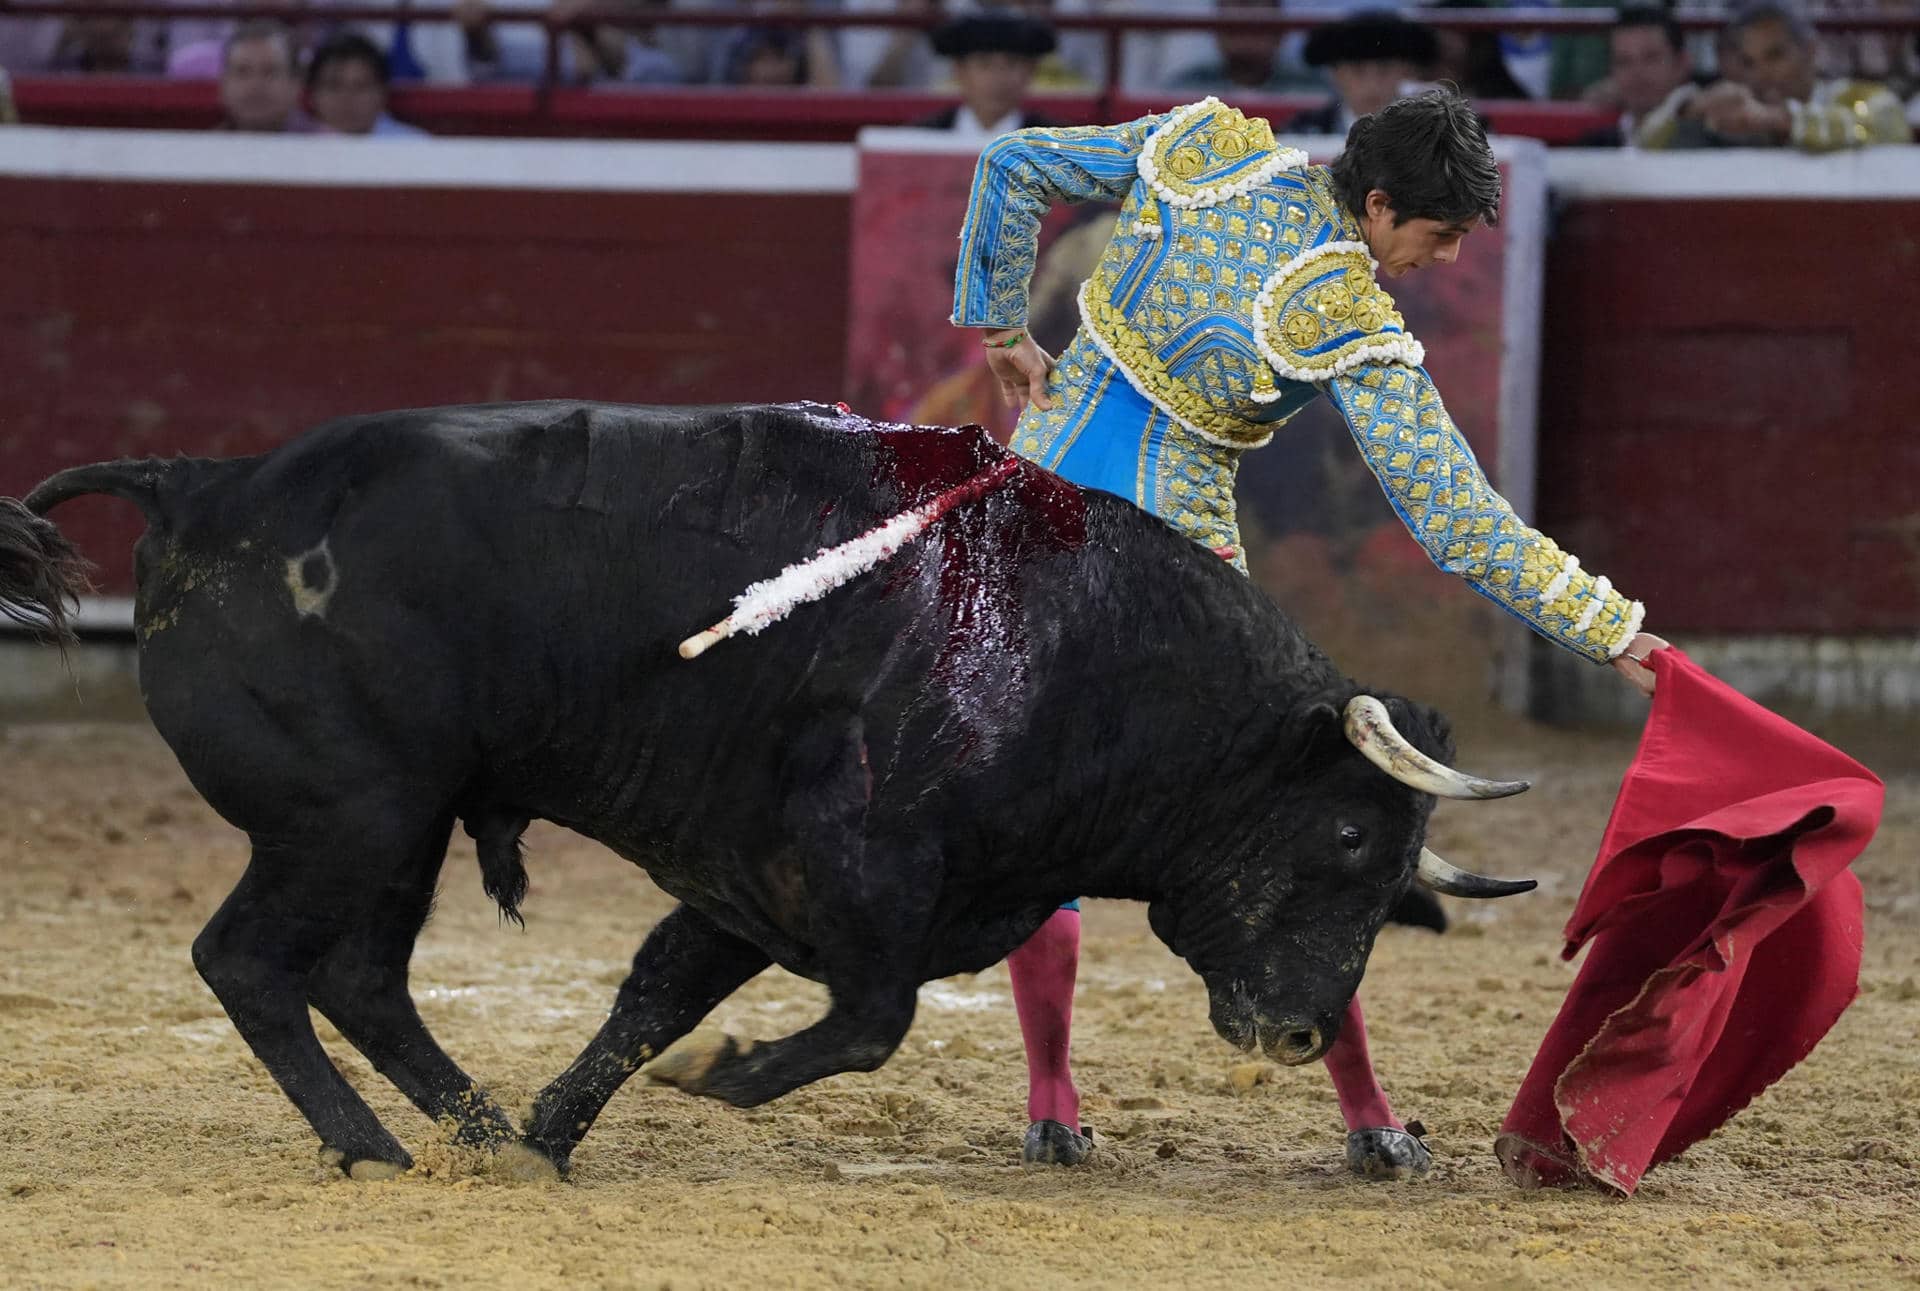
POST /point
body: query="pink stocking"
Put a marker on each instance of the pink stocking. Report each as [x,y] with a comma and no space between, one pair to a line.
[1362,1102]
[1043,971]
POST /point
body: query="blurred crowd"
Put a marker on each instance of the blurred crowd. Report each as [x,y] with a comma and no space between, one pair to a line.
[1763,78]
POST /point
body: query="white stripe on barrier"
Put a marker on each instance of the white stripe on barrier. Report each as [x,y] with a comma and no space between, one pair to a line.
[603,165]
[170,156]
[1864,174]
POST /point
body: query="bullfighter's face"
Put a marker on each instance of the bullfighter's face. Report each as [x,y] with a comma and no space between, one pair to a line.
[1401,246]
[1280,930]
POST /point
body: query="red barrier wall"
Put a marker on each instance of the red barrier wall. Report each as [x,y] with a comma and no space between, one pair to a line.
[1725,426]
[154,319]
[1727,409]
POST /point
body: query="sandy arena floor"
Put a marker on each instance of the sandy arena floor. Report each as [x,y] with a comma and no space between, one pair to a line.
[141,1145]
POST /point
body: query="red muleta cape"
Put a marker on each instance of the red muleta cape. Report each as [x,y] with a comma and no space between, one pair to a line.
[1725,930]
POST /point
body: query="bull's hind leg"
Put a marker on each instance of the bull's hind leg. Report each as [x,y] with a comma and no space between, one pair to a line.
[863,1025]
[286,912]
[360,985]
[686,966]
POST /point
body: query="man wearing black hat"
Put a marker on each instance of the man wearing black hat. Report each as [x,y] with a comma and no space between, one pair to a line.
[1370,57]
[994,56]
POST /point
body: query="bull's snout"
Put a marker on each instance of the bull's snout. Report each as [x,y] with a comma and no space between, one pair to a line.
[1293,1042]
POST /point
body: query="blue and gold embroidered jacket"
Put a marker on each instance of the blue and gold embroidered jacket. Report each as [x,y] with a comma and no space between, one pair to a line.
[1234,290]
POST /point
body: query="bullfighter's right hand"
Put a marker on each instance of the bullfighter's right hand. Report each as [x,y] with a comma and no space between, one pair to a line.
[1021,370]
[1631,662]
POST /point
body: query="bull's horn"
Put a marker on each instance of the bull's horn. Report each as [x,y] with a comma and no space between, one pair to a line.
[1371,731]
[1450,880]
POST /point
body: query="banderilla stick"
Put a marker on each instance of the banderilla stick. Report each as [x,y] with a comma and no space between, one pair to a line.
[767,602]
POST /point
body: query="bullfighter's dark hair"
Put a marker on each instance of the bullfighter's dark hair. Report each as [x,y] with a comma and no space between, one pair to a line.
[1428,154]
[348,47]
[1648,16]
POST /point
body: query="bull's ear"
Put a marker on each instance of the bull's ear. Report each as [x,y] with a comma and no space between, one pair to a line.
[1310,722]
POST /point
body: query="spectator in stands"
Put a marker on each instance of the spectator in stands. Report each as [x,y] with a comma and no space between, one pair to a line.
[1371,58]
[1782,102]
[1252,59]
[767,55]
[890,58]
[83,44]
[347,82]
[259,89]
[994,55]
[517,51]
[1473,61]
[116,46]
[775,56]
[1729,64]
[1651,82]
[433,53]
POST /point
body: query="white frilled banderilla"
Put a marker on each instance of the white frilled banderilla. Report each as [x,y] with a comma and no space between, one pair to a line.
[765,603]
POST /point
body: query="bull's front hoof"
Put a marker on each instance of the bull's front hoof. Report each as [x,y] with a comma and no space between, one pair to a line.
[1051,1143]
[1388,1154]
[365,1169]
[558,1156]
[690,1065]
[523,1162]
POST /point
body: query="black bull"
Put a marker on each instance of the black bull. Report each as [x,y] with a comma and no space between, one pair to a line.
[402,621]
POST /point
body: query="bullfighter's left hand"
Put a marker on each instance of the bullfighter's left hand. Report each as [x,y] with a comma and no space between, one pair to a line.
[1022,372]
[1628,663]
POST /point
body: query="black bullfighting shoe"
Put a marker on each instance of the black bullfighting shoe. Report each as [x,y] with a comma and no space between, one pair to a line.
[1389,1154]
[1051,1143]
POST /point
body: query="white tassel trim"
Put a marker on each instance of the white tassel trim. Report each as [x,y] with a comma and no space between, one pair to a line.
[1400,349]
[1281,159]
[1635,617]
[1100,342]
[1142,228]
[1558,587]
[1601,586]
[1394,349]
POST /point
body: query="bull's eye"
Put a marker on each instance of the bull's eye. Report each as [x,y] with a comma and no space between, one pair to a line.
[1351,837]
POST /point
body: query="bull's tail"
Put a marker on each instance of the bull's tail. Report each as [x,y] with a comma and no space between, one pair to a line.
[42,575]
